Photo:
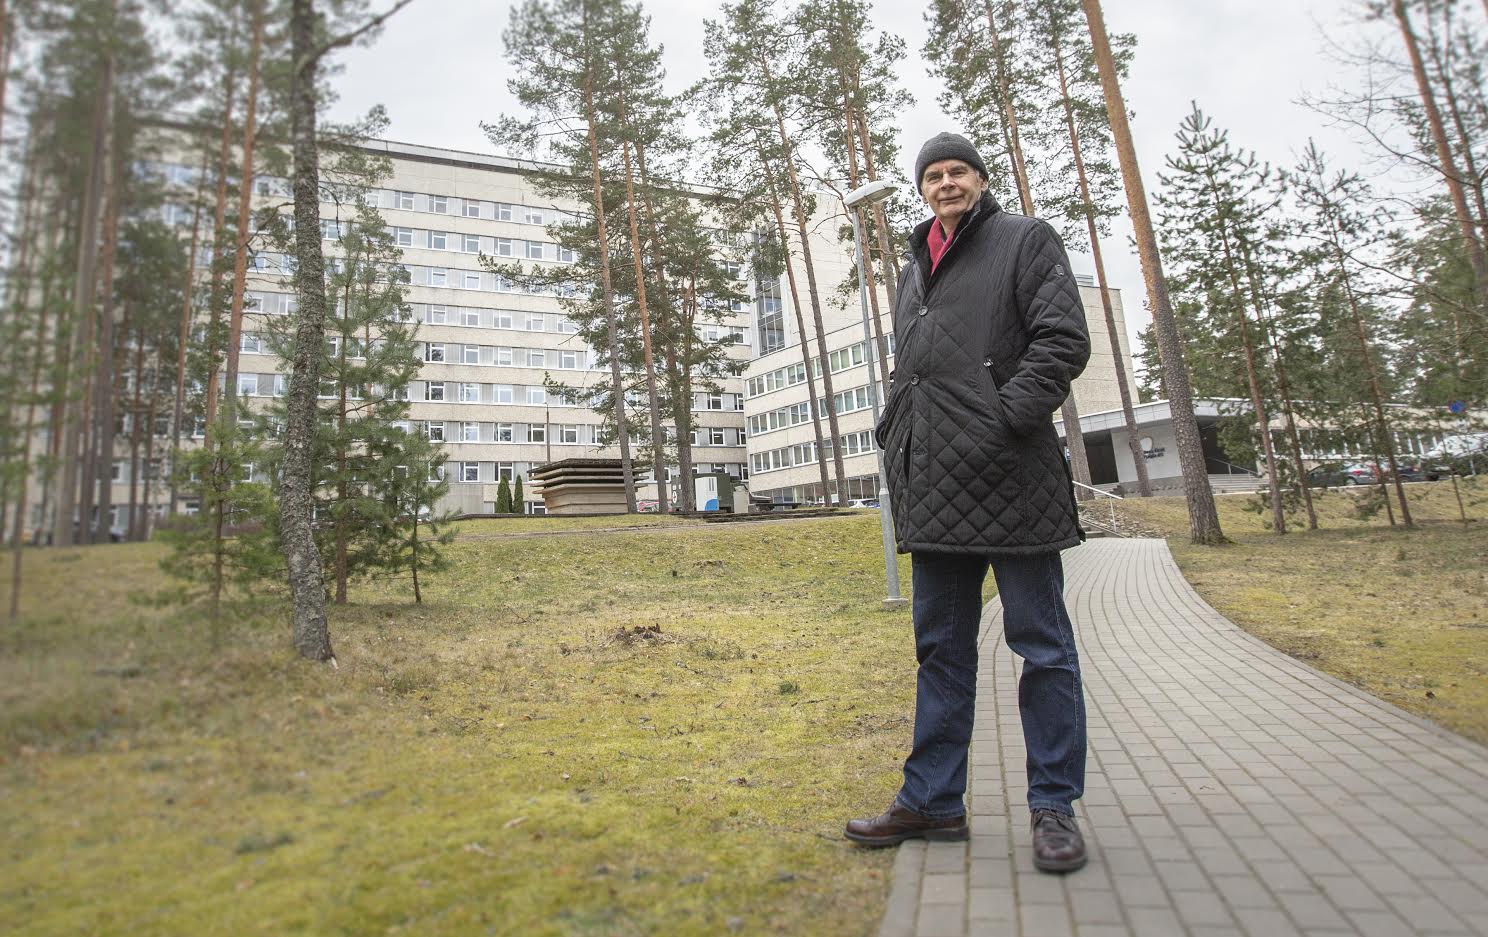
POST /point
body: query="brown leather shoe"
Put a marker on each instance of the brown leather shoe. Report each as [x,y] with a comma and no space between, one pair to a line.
[899,823]
[1057,843]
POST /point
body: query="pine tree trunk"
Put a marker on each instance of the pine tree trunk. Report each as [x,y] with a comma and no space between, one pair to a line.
[1377,397]
[7,42]
[1252,377]
[1294,443]
[790,276]
[342,493]
[245,214]
[38,360]
[653,397]
[134,432]
[310,631]
[1203,517]
[1134,445]
[870,276]
[84,293]
[607,290]
[179,412]
[219,241]
[882,231]
[150,481]
[1475,249]
[104,390]
[819,326]
[1473,180]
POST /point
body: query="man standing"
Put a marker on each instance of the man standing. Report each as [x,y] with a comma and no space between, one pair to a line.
[989,333]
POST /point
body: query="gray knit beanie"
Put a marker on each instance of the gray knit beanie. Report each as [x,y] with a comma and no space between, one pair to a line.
[947,146]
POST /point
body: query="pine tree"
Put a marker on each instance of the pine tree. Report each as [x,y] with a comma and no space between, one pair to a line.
[504,497]
[1203,517]
[518,498]
[412,533]
[1213,204]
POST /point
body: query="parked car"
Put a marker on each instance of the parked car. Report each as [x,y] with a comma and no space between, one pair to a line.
[863,503]
[1341,473]
[1457,455]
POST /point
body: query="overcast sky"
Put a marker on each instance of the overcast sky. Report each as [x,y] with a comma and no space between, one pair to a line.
[439,70]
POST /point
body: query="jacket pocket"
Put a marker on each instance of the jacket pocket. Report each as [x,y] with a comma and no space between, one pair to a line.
[891,410]
[994,395]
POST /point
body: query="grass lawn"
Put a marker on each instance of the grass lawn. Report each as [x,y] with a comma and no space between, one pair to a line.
[1400,613]
[650,732]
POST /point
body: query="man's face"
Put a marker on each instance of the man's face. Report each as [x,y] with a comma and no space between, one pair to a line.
[951,187]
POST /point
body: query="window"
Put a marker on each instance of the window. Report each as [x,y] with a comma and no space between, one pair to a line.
[471,243]
[503,355]
[434,391]
[535,250]
[533,216]
[715,401]
[503,212]
[568,360]
[472,208]
[404,236]
[469,393]
[502,319]
[435,315]
[436,472]
[438,276]
[405,201]
[247,385]
[439,240]
[439,203]
[566,255]
[566,326]
[434,430]
[506,470]
[247,472]
[568,433]
[715,436]
[472,281]
[251,343]
[434,352]
[503,432]
[502,393]
[117,472]
[281,385]
[537,433]
[504,247]
[470,354]
[537,395]
[537,322]
[536,358]
[469,471]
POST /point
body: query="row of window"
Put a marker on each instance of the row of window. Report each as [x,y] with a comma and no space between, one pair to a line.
[468,243]
[565,433]
[805,453]
[840,360]
[564,359]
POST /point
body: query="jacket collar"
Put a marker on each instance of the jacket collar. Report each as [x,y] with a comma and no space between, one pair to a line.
[985,208]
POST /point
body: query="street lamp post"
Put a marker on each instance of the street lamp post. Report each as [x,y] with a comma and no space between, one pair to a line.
[862,197]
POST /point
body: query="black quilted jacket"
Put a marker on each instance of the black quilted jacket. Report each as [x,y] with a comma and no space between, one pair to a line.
[985,351]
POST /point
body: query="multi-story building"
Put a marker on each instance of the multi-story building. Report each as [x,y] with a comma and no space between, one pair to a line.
[486,344]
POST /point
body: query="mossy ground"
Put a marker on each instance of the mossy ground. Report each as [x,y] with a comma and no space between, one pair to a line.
[1400,613]
[511,757]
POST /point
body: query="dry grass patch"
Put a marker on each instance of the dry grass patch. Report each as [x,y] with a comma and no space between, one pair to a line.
[658,732]
[1400,613]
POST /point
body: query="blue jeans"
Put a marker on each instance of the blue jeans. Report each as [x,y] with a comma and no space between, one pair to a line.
[947,595]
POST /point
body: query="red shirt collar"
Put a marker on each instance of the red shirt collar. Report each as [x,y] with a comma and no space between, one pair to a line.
[938,242]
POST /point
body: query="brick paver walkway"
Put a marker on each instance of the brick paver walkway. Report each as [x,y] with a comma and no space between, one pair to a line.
[1230,790]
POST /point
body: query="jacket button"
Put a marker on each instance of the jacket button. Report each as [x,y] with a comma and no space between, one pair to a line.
[924,310]
[986,362]
[915,379]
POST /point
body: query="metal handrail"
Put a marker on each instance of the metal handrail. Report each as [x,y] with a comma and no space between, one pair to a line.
[1100,491]
[1111,503]
[1239,469]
